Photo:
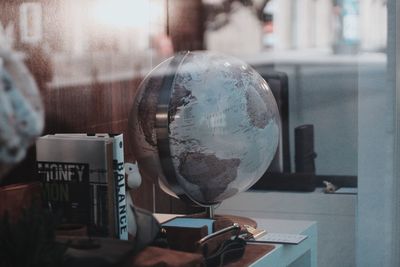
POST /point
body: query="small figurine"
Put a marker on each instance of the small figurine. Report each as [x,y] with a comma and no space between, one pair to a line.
[133,181]
[329,187]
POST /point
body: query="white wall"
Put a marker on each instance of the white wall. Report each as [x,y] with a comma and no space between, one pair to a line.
[373,24]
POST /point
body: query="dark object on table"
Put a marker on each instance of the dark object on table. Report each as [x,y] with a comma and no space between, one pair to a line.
[16,197]
[184,238]
[99,252]
[303,182]
[29,240]
[201,239]
[219,246]
[72,230]
[229,251]
[279,85]
[154,256]
[148,228]
[251,254]
[304,149]
[84,243]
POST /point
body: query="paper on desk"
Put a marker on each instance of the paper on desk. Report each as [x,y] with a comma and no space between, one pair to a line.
[281,238]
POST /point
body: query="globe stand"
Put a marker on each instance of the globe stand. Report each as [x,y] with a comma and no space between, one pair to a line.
[210,212]
[224,220]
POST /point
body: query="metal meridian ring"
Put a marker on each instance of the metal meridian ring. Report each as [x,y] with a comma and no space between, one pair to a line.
[162,125]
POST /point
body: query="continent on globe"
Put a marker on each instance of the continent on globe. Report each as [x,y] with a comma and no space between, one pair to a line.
[147,110]
[220,172]
[181,96]
[258,117]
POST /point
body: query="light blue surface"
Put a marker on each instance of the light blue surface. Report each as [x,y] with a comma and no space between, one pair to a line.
[191,223]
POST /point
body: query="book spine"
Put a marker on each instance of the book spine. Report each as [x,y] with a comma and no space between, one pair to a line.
[120,189]
[109,191]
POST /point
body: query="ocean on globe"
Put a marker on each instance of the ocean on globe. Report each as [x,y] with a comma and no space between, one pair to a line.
[205,126]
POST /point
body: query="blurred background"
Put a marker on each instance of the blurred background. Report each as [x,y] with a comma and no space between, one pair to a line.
[89,56]
[96,39]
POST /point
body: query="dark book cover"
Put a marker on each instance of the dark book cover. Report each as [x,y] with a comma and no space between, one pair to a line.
[65,188]
[78,182]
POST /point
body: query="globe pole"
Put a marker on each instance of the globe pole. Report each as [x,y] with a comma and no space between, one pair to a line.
[210,211]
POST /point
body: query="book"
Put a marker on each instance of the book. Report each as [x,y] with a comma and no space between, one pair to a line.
[121,210]
[82,181]
[119,178]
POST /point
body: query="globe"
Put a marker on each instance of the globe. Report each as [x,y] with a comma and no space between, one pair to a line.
[205,126]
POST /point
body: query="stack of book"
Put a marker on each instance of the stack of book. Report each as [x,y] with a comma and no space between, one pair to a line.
[83,180]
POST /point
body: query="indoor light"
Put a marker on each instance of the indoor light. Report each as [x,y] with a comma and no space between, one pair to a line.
[125,13]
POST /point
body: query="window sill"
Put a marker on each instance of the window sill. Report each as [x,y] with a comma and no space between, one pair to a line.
[262,202]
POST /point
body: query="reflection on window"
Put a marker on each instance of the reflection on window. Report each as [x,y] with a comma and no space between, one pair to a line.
[105,40]
[342,26]
[317,43]
[91,39]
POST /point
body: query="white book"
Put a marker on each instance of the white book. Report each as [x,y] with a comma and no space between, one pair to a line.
[106,184]
[119,177]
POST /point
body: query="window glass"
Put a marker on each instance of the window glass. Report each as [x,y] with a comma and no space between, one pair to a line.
[334,53]
[319,44]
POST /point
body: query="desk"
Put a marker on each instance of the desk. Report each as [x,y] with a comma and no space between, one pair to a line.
[301,255]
